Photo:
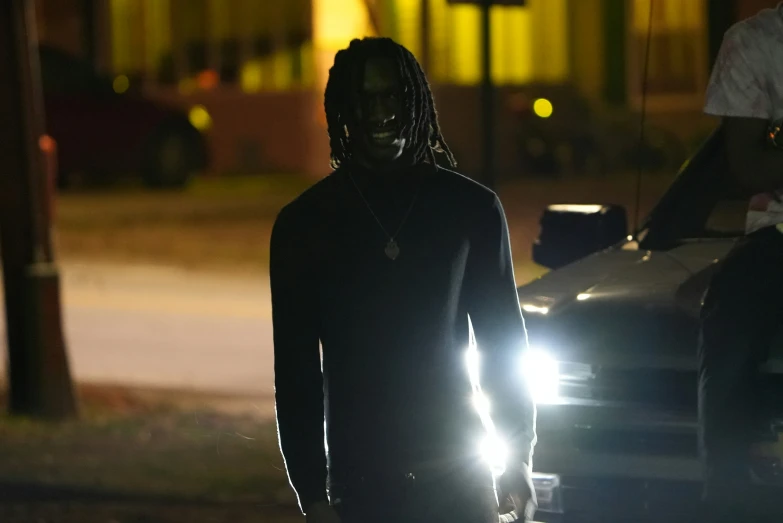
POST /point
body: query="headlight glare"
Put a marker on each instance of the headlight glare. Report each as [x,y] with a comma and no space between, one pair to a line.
[495,453]
[542,375]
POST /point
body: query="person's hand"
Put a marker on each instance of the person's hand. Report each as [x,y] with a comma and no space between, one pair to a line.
[516,496]
[322,512]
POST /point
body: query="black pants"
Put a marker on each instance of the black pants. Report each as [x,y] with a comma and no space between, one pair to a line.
[456,496]
[743,311]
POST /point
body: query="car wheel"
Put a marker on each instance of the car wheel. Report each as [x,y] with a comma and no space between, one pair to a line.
[172,158]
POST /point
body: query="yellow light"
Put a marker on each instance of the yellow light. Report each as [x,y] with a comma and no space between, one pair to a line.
[251,77]
[550,37]
[465,62]
[121,84]
[409,24]
[543,108]
[336,22]
[283,70]
[200,118]
[584,296]
[512,47]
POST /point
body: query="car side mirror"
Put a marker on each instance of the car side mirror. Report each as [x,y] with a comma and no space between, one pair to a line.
[571,232]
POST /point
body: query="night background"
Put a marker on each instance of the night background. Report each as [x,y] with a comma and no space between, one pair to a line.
[177,129]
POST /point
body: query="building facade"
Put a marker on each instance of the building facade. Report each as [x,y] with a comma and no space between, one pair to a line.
[259,67]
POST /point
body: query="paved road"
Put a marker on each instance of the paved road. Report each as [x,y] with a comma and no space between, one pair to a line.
[161,327]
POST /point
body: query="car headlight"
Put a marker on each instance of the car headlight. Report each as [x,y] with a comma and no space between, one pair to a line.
[542,375]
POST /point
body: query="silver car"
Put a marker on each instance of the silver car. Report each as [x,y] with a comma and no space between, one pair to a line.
[614,332]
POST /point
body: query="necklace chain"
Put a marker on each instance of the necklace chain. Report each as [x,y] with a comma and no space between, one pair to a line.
[392,238]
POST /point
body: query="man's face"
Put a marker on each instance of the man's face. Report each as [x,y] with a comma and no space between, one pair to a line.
[377,126]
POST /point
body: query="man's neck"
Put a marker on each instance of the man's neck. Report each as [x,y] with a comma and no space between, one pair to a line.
[389,183]
[385,168]
[387,171]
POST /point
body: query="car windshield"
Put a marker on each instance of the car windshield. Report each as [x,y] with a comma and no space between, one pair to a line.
[63,74]
[703,202]
[727,218]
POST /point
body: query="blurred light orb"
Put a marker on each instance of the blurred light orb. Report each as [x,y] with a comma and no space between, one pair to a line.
[46,143]
[121,84]
[207,79]
[543,108]
[252,76]
[200,118]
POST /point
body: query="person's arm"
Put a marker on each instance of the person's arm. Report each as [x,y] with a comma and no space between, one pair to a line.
[501,338]
[739,94]
[298,378]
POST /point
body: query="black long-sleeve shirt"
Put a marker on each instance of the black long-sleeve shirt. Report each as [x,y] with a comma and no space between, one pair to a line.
[393,387]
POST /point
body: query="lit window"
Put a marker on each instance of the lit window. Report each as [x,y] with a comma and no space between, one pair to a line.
[676,44]
[203,44]
[520,53]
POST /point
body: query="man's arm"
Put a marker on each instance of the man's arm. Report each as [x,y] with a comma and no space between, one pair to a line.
[501,338]
[298,379]
[739,94]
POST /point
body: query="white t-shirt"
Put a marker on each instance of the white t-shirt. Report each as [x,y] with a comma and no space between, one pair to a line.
[747,81]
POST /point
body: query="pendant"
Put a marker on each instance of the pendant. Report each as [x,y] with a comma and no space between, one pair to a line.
[392,250]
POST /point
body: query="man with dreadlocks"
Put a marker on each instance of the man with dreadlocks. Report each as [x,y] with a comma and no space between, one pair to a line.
[400,269]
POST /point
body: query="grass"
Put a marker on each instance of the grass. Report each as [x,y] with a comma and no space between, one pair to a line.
[215,224]
[134,454]
[225,224]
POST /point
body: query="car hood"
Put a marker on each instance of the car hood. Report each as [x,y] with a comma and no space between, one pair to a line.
[624,306]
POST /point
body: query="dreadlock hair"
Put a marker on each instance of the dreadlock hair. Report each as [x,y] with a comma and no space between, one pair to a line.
[420,126]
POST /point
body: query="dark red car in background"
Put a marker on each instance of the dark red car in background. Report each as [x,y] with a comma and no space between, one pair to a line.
[105,131]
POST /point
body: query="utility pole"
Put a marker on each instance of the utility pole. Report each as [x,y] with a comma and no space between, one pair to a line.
[487,97]
[38,371]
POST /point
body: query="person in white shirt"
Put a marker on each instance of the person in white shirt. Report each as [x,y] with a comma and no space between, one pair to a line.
[743,308]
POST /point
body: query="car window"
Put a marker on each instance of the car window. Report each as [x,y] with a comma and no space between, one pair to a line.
[727,218]
[62,74]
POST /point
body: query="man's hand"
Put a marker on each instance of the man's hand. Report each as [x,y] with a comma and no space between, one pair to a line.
[516,495]
[322,512]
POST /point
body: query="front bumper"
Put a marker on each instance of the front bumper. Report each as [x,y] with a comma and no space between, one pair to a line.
[615,500]
[617,464]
